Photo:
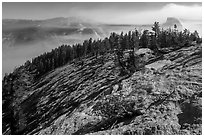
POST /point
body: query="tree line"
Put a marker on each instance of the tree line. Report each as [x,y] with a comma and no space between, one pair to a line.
[133,40]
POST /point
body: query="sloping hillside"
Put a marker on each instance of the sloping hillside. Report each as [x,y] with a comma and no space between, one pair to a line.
[91,97]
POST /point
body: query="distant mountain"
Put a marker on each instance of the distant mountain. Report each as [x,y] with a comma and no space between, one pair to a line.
[67,22]
[170,22]
[53,22]
[21,31]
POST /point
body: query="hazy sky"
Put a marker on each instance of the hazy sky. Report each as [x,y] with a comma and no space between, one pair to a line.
[104,12]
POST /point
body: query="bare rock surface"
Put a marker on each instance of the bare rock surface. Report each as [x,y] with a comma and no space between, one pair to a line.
[95,99]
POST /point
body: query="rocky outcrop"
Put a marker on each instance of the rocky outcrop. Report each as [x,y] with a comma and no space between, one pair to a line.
[92,98]
[170,22]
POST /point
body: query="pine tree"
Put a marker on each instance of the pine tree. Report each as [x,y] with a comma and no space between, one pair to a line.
[144,40]
[156,28]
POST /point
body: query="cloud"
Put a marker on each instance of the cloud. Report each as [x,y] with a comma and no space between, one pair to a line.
[121,13]
[130,16]
[193,12]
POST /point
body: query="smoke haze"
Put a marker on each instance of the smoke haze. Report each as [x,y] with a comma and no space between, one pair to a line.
[115,13]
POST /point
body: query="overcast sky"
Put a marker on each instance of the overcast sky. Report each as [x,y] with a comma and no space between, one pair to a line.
[105,12]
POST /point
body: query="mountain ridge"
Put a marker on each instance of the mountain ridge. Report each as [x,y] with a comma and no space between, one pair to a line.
[123,84]
[74,99]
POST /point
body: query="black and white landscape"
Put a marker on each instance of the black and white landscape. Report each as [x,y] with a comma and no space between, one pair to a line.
[102,68]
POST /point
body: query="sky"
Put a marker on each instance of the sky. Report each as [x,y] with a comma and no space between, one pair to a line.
[117,13]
